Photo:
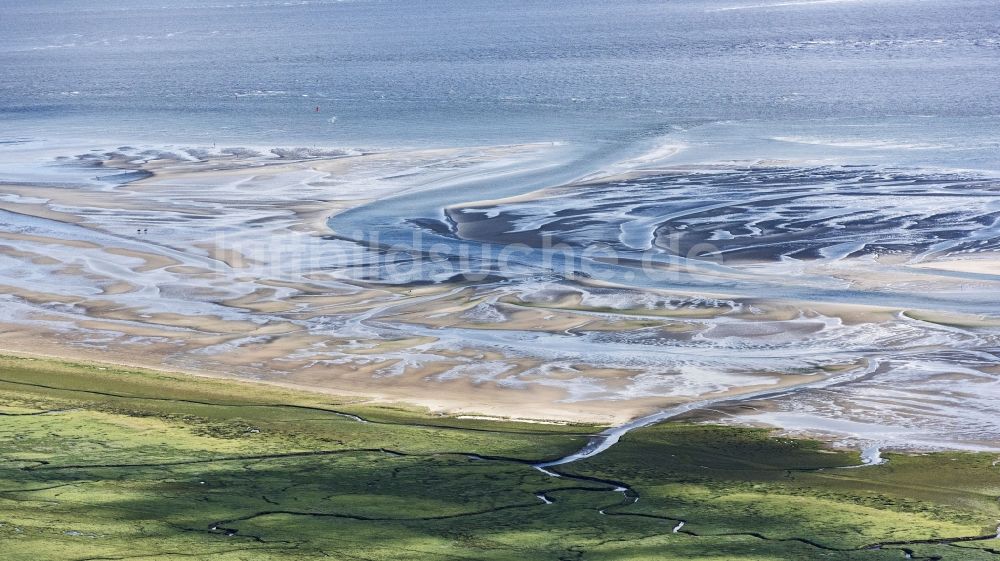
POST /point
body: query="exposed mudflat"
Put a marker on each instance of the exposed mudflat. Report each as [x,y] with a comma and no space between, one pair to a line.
[858,299]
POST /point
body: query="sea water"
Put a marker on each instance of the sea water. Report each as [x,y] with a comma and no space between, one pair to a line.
[882,80]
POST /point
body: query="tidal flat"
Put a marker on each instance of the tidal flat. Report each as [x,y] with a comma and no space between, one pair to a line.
[864,290]
[104,462]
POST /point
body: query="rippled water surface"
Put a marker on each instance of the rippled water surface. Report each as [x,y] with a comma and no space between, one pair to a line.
[388,72]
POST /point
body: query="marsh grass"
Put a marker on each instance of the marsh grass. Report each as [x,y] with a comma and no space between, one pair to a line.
[99,462]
